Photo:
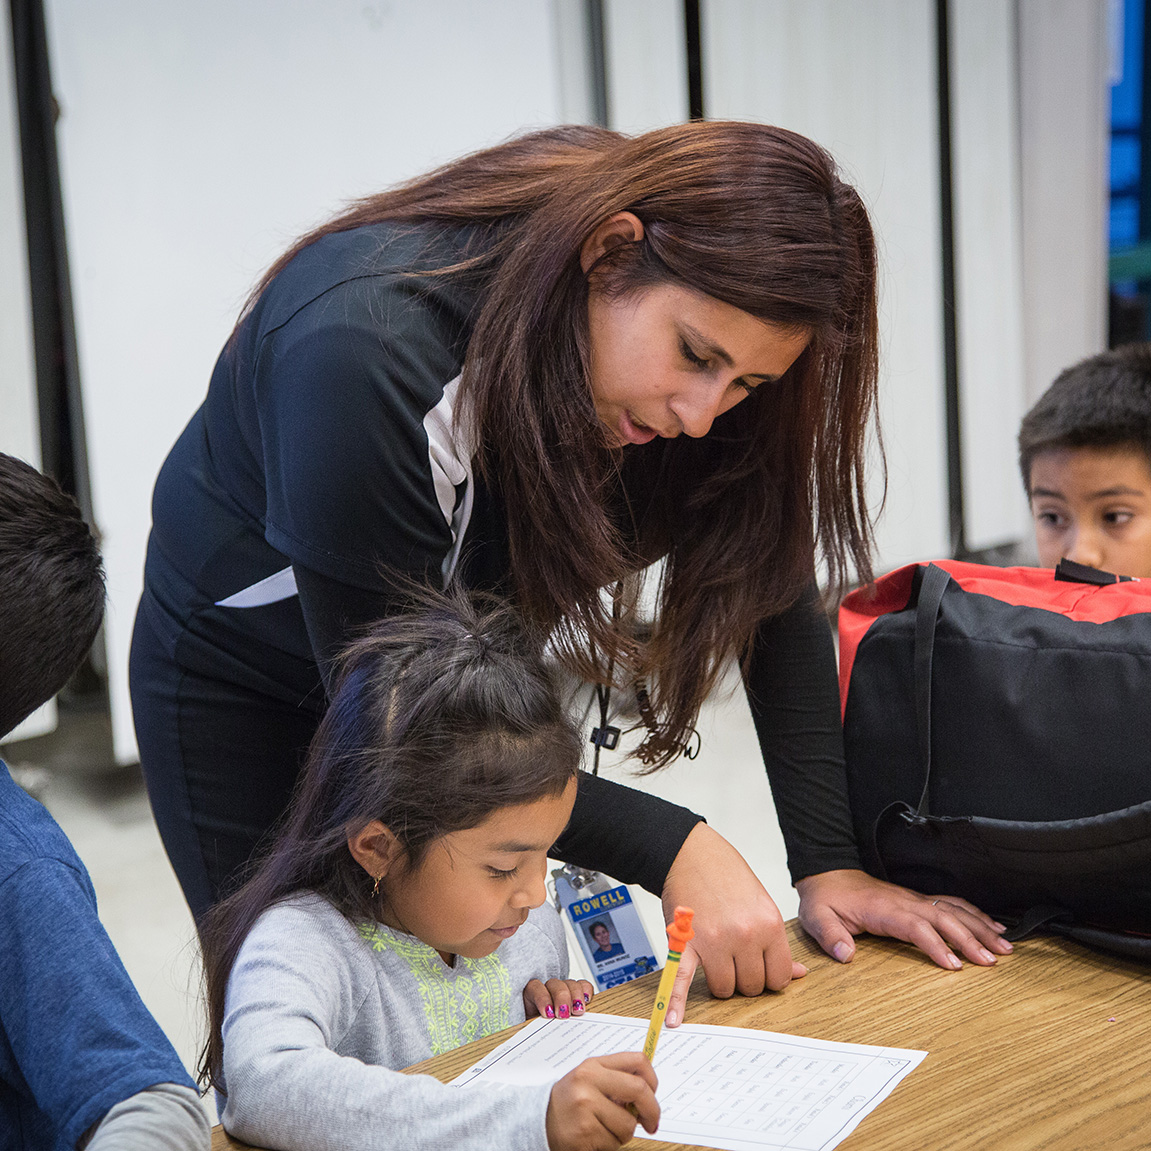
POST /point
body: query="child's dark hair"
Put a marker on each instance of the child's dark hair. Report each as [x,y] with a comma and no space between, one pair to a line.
[1103,401]
[438,718]
[51,589]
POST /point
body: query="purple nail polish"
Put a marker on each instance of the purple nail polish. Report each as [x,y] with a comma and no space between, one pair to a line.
[586,997]
[563,1010]
[577,1007]
[549,1012]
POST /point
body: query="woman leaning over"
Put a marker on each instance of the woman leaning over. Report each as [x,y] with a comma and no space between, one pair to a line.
[537,370]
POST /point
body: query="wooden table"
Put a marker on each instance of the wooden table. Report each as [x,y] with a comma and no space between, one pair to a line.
[1050,1049]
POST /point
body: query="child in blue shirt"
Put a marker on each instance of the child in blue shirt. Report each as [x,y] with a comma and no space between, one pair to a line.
[82,1062]
[1085,454]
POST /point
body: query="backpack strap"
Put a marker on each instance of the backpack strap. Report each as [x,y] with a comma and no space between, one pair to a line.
[931,589]
[1068,571]
[1034,918]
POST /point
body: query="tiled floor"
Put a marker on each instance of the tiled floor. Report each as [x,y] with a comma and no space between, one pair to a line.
[105,813]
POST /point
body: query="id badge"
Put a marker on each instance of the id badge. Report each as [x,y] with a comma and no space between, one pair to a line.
[607,925]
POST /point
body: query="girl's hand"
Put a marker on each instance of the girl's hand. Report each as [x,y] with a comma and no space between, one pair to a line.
[557,999]
[588,1108]
[834,906]
[739,936]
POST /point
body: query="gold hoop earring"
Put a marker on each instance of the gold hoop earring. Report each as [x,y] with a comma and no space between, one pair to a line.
[376,887]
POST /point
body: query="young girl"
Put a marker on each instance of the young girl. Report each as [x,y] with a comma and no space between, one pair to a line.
[401,910]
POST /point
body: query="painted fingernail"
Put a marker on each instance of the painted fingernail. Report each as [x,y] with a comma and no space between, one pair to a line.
[954,963]
[549,1012]
[577,1007]
[563,1010]
[842,952]
[586,997]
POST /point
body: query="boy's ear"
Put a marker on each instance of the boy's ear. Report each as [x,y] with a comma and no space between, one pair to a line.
[376,849]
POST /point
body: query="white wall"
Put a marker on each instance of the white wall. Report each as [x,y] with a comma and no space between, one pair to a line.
[986,209]
[196,140]
[1063,70]
[644,42]
[19,425]
[1028,114]
[860,80]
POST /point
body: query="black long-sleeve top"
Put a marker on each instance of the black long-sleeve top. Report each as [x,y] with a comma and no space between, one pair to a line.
[326,462]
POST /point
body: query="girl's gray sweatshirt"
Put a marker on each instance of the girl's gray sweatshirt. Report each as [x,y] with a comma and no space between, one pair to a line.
[321,1014]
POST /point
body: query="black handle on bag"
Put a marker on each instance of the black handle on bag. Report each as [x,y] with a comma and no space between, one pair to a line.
[931,589]
[1068,571]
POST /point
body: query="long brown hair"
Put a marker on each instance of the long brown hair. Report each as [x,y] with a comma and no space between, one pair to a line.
[440,716]
[752,215]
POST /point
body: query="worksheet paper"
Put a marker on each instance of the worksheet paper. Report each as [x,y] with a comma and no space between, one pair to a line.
[726,1087]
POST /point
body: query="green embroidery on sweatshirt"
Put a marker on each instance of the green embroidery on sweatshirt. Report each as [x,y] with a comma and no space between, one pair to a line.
[460,1003]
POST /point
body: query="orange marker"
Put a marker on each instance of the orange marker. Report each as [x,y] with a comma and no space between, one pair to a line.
[679,932]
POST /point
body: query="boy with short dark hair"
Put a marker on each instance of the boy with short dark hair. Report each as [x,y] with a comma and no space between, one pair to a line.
[82,1063]
[1085,455]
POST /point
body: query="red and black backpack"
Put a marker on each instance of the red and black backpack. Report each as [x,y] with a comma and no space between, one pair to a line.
[997,726]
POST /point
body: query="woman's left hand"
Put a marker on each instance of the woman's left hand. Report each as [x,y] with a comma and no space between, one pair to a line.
[739,936]
[558,998]
[835,906]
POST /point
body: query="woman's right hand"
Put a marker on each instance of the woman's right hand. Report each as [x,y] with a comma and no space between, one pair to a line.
[588,1108]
